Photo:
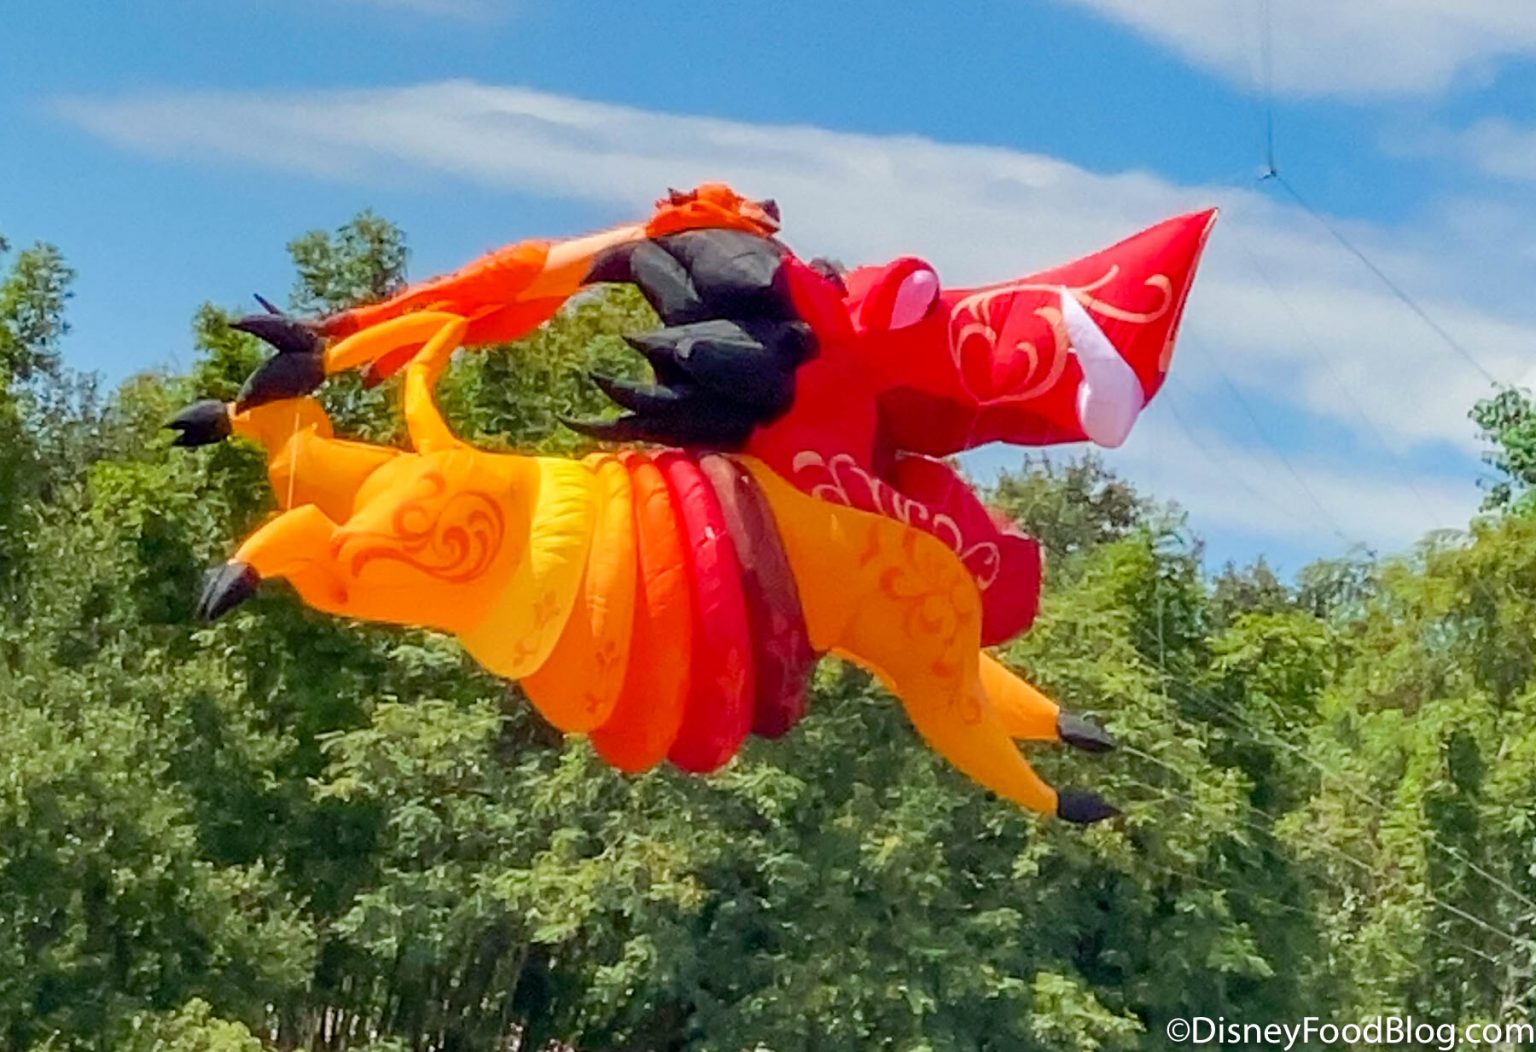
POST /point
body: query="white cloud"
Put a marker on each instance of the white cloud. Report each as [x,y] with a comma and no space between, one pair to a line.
[1350,48]
[1358,362]
[1305,497]
[1311,500]
[1496,147]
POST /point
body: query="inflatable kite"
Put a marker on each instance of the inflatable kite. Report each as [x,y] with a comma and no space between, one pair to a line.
[778,493]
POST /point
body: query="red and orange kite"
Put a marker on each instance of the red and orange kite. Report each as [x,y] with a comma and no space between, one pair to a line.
[783,494]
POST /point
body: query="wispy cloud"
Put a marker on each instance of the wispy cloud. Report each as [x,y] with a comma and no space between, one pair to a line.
[1496,147]
[1279,311]
[1308,496]
[1350,48]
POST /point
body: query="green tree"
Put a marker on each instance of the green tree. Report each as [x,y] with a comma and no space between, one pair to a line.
[361,262]
[1508,424]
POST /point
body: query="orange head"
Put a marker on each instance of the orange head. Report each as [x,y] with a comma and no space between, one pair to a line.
[712,205]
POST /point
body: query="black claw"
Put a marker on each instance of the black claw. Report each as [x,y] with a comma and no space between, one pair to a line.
[1081,734]
[611,265]
[771,207]
[754,366]
[281,376]
[666,284]
[225,588]
[642,398]
[282,332]
[660,277]
[658,344]
[690,425]
[201,424]
[660,352]
[725,362]
[702,274]
[1083,806]
[751,362]
[266,304]
[623,429]
[739,275]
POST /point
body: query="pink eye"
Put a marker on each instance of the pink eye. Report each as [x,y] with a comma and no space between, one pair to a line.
[900,297]
[914,296]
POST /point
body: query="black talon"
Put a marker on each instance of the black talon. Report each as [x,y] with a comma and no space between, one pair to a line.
[786,342]
[689,423]
[627,428]
[1083,806]
[752,363]
[201,424]
[611,265]
[725,362]
[659,353]
[755,366]
[1081,734]
[267,305]
[282,332]
[666,284]
[641,398]
[656,345]
[702,274]
[282,376]
[225,588]
[736,274]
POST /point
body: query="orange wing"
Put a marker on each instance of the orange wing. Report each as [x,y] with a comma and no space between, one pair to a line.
[510,292]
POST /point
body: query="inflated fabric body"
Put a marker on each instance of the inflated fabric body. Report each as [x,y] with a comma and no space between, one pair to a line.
[782,494]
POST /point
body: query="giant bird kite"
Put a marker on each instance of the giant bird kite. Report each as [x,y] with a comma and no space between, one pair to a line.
[777,493]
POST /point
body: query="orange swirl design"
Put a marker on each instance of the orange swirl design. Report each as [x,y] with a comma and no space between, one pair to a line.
[922,580]
[453,540]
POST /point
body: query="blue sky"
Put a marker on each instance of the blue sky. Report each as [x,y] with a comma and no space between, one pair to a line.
[172,148]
